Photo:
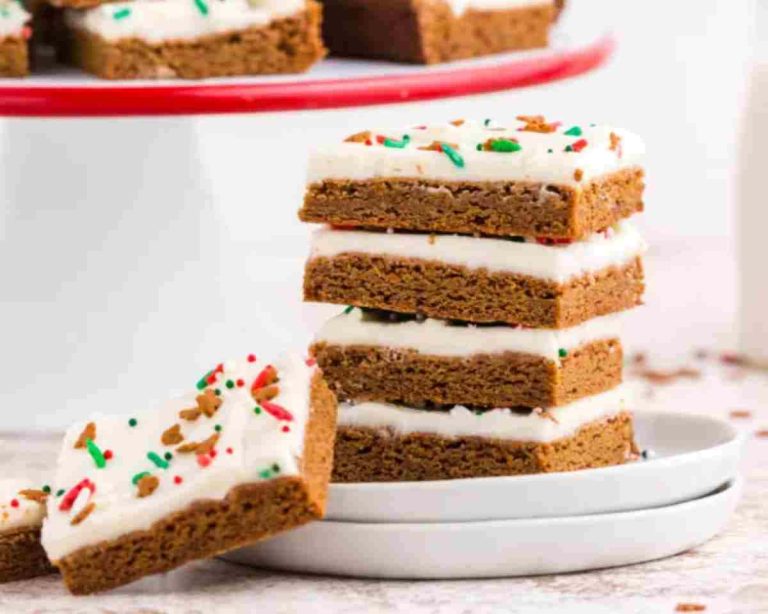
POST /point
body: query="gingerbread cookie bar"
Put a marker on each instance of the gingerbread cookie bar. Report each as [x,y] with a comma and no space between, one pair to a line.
[22,509]
[432,31]
[15,32]
[246,456]
[194,39]
[368,355]
[482,280]
[377,442]
[530,177]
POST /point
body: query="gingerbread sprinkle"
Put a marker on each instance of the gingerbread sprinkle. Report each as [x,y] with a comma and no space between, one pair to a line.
[89,432]
[147,485]
[191,414]
[171,436]
[83,514]
[32,494]
[537,123]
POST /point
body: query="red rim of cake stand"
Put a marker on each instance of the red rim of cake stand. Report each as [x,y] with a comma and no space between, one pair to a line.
[18,100]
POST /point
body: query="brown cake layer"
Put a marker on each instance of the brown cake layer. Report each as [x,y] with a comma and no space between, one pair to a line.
[207,528]
[427,31]
[379,455]
[22,556]
[496,208]
[439,290]
[14,56]
[287,45]
[506,379]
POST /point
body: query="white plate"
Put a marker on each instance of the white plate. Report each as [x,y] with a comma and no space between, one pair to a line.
[495,548]
[693,456]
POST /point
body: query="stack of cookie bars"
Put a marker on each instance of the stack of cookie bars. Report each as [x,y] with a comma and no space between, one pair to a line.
[484,267]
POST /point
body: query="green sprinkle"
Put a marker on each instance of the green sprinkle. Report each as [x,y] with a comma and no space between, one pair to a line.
[217,428]
[573,131]
[158,462]
[397,144]
[517,239]
[562,352]
[201,6]
[348,309]
[135,479]
[479,147]
[121,14]
[449,151]
[168,456]
[217,392]
[60,492]
[505,146]
[486,122]
[132,422]
[47,489]
[265,474]
[203,381]
[257,410]
[230,384]
[276,468]
[568,148]
[549,151]
[96,454]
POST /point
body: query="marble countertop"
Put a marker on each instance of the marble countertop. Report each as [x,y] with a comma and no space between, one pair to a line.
[727,574]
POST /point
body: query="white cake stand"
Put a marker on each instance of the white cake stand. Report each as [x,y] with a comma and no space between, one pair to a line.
[136,246]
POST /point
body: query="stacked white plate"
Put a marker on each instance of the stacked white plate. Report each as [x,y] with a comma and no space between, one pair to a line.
[677,498]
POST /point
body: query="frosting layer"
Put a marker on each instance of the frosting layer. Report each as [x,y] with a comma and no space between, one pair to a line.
[460,6]
[442,338]
[13,18]
[557,263]
[253,441]
[162,20]
[563,421]
[571,154]
[16,510]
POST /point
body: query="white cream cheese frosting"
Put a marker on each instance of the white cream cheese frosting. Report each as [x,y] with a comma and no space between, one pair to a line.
[459,7]
[558,422]
[17,509]
[256,441]
[441,338]
[570,154]
[13,18]
[155,21]
[558,263]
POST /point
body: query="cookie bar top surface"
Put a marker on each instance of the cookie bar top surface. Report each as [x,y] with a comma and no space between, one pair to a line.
[22,505]
[531,149]
[121,474]
[13,18]
[534,425]
[559,263]
[162,20]
[443,338]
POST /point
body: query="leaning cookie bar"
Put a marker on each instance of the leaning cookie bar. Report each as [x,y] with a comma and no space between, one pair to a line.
[381,356]
[427,32]
[22,509]
[246,456]
[194,39]
[530,177]
[14,39]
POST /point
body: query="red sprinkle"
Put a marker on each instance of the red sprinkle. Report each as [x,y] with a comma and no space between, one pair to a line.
[203,460]
[380,139]
[579,145]
[251,357]
[69,499]
[211,379]
[286,429]
[26,32]
[311,362]
[240,383]
[108,455]
[14,503]
[177,479]
[229,450]
[212,453]
[551,241]
[278,411]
